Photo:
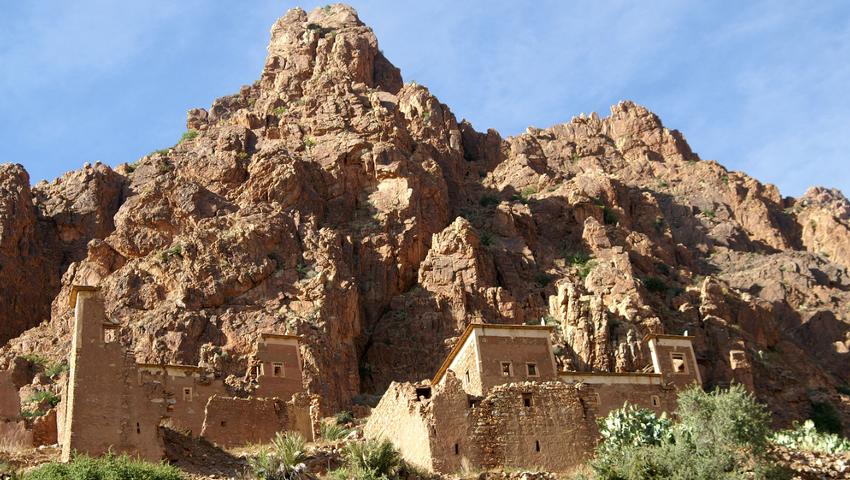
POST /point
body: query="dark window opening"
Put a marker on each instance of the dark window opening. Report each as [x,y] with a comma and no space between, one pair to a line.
[506,369]
[467,376]
[656,401]
[457,449]
[224,423]
[138,428]
[423,392]
[531,368]
[537,445]
[473,401]
[526,400]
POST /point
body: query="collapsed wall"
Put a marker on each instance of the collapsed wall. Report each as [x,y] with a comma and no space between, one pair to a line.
[230,421]
[529,425]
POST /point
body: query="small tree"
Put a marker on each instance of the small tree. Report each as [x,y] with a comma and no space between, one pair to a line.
[284,460]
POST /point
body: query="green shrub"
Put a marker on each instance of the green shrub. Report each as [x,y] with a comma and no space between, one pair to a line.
[807,437]
[175,251]
[56,369]
[608,215]
[279,111]
[283,461]
[309,143]
[333,431]
[826,418]
[36,359]
[709,213]
[44,396]
[655,285]
[488,200]
[486,238]
[344,417]
[188,135]
[108,467]
[632,426]
[542,279]
[719,435]
[370,460]
[585,269]
[524,195]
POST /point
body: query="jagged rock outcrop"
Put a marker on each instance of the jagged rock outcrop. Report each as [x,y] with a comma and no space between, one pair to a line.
[331,200]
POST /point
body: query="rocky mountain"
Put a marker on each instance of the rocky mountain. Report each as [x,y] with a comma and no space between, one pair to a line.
[332,200]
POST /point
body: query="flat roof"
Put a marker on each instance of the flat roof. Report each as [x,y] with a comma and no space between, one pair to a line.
[465,336]
[650,336]
[278,335]
[72,299]
[170,365]
[609,374]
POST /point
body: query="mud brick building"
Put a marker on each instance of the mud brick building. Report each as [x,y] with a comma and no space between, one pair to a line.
[113,403]
[498,400]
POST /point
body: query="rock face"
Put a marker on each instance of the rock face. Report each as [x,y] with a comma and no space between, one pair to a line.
[332,200]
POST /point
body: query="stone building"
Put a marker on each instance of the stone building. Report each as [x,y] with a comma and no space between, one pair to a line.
[113,403]
[498,400]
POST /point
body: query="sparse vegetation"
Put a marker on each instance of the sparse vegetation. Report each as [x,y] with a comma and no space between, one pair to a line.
[107,467]
[36,359]
[709,213]
[370,460]
[542,279]
[655,285]
[344,417]
[805,436]
[309,143]
[188,135]
[486,238]
[333,431]
[585,269]
[524,195]
[725,179]
[488,201]
[43,396]
[56,369]
[279,111]
[575,157]
[174,252]
[283,460]
[719,435]
[663,184]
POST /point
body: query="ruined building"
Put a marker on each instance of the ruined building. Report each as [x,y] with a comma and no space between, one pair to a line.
[113,403]
[498,400]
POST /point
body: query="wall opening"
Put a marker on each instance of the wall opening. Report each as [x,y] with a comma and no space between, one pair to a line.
[537,445]
[656,402]
[423,393]
[467,377]
[457,449]
[138,428]
[678,361]
[187,394]
[224,423]
[473,401]
[527,400]
[507,371]
[531,369]
[277,369]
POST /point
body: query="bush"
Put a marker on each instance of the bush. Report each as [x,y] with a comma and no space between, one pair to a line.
[188,135]
[283,461]
[36,359]
[826,418]
[370,460]
[632,426]
[56,369]
[488,201]
[719,435]
[44,396]
[333,431]
[344,417]
[655,285]
[108,467]
[807,437]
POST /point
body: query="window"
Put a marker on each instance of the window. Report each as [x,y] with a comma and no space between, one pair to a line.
[507,369]
[457,449]
[531,369]
[187,394]
[224,423]
[656,402]
[679,364]
[537,445]
[527,400]
[138,428]
[467,377]
[277,369]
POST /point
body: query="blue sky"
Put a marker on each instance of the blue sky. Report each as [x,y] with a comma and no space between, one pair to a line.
[759,86]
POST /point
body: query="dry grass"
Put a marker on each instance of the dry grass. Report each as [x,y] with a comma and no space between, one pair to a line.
[14,437]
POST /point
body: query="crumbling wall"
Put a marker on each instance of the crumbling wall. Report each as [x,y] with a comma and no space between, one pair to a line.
[404,418]
[453,447]
[185,408]
[534,425]
[107,408]
[44,429]
[230,421]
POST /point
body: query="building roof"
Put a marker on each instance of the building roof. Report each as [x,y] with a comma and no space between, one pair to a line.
[465,336]
[278,335]
[661,336]
[72,299]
